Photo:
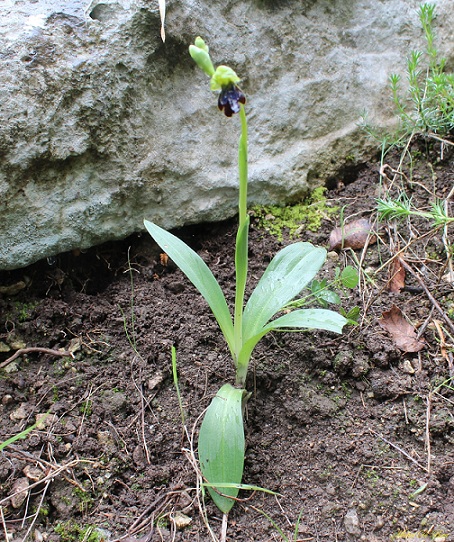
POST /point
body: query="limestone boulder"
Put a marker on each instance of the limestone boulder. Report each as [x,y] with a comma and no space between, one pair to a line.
[103,124]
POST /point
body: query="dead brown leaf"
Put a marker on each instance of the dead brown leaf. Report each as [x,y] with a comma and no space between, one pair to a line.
[403,333]
[352,235]
[396,276]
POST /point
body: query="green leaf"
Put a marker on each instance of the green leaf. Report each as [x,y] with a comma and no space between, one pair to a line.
[198,273]
[23,434]
[221,446]
[299,319]
[349,277]
[308,319]
[352,315]
[287,274]
[327,296]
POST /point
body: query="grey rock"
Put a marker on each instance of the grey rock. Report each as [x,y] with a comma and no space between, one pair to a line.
[101,124]
[351,522]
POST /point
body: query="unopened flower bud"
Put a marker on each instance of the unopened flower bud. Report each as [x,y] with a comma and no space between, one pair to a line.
[198,42]
[201,57]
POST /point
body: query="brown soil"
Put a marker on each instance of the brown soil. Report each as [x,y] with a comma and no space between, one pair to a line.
[353,433]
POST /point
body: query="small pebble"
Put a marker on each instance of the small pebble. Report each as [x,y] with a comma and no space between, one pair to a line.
[20,492]
[19,414]
[351,522]
[33,473]
[180,520]
[7,400]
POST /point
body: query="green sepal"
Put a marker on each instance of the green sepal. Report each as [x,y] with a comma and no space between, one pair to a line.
[221,446]
[223,77]
[200,43]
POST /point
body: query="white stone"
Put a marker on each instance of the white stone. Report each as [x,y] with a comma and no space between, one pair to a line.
[101,124]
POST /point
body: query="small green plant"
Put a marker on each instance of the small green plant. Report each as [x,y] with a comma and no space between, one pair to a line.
[85,500]
[284,537]
[402,208]
[55,394]
[427,106]
[72,532]
[323,292]
[430,91]
[24,311]
[86,408]
[221,440]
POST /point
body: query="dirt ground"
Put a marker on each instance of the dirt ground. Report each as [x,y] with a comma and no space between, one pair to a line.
[354,434]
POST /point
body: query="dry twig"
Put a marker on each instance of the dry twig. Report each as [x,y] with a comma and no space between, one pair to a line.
[429,295]
[32,349]
[428,413]
[399,449]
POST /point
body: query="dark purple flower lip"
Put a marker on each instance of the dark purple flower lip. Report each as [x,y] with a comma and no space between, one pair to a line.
[230,99]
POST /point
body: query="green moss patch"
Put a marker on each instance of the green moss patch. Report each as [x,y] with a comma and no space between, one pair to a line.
[305,215]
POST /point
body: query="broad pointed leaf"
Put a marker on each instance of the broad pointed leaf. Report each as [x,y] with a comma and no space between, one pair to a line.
[198,273]
[299,319]
[287,274]
[221,445]
[308,319]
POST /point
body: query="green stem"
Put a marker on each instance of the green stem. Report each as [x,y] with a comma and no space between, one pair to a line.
[241,248]
[242,167]
[241,374]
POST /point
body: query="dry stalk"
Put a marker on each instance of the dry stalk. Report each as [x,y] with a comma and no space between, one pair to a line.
[440,139]
[158,505]
[434,302]
[38,510]
[39,349]
[54,472]
[143,405]
[190,454]
[446,354]
[5,530]
[84,410]
[399,449]
[428,446]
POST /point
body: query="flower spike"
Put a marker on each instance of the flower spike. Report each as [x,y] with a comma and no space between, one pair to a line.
[223,79]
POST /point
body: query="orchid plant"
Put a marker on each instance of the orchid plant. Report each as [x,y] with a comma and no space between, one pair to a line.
[221,439]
